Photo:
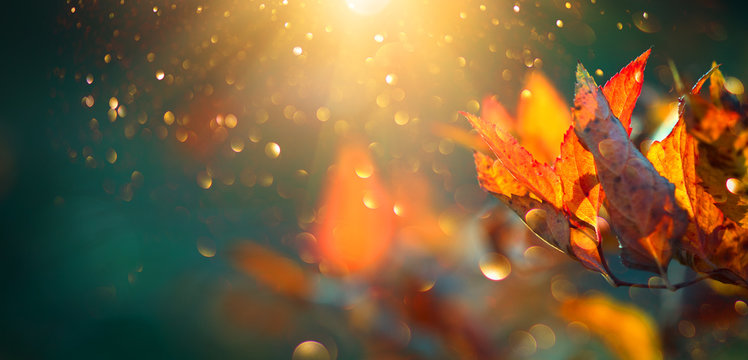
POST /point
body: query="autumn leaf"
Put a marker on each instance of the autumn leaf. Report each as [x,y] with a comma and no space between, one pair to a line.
[670,202]
[624,88]
[720,126]
[549,223]
[272,269]
[641,203]
[576,169]
[628,331]
[544,122]
[713,243]
[496,179]
[542,118]
[537,177]
[356,220]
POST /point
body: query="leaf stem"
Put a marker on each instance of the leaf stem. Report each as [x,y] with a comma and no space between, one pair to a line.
[618,282]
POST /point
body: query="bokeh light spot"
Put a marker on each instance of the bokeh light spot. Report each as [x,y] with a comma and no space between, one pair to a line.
[310,350]
[495,266]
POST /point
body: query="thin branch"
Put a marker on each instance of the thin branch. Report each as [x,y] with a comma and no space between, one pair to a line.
[618,282]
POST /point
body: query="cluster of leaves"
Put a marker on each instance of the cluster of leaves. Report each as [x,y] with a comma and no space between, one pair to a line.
[671,202]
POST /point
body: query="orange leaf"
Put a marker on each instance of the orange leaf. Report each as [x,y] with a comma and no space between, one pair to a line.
[720,125]
[542,118]
[495,178]
[624,328]
[492,111]
[460,136]
[356,220]
[272,269]
[623,89]
[712,243]
[576,169]
[549,223]
[641,203]
[537,177]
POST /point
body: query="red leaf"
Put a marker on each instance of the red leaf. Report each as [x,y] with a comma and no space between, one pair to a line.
[624,88]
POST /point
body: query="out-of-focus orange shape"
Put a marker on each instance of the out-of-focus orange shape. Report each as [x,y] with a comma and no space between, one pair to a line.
[542,118]
[356,218]
[624,328]
[272,269]
[460,136]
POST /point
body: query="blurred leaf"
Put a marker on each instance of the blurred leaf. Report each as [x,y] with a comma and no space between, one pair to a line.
[624,328]
[356,223]
[272,269]
[542,118]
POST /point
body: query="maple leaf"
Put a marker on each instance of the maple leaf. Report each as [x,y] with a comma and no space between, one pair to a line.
[536,176]
[720,126]
[641,202]
[568,189]
[713,243]
[663,205]
[623,89]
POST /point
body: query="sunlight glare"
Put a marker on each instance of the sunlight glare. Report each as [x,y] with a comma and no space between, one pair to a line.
[367,7]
